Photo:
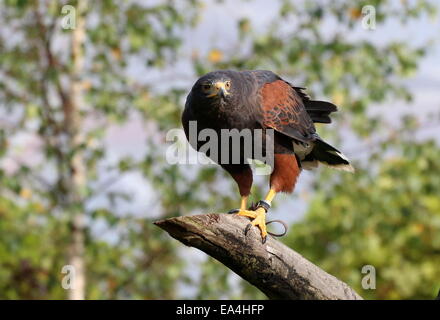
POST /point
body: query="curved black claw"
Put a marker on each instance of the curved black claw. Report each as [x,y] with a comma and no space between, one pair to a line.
[263,240]
[248,227]
[233,211]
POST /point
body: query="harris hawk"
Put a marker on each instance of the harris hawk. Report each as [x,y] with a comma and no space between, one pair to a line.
[260,99]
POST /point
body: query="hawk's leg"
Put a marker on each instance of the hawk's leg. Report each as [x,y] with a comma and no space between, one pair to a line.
[282,179]
[259,215]
[243,208]
[242,174]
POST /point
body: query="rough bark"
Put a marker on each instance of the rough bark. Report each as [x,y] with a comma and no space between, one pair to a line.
[274,268]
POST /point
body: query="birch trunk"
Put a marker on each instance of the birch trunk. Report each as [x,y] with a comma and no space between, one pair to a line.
[77,175]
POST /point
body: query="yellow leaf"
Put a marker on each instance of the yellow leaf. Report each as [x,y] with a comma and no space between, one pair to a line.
[116,53]
[416,228]
[354,13]
[338,98]
[215,56]
[86,85]
[25,193]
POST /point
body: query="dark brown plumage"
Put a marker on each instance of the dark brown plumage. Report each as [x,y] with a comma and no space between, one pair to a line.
[262,100]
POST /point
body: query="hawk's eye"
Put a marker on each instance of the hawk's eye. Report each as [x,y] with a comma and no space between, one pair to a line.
[206,87]
[228,84]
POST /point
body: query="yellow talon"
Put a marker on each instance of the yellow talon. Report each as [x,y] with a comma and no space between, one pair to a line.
[247,213]
[258,216]
[259,220]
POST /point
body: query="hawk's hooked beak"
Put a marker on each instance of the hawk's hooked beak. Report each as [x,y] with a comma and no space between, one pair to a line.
[223,93]
[219,90]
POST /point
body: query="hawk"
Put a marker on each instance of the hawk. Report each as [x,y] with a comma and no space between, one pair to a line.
[260,99]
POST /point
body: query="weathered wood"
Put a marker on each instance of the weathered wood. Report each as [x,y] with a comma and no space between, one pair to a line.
[274,268]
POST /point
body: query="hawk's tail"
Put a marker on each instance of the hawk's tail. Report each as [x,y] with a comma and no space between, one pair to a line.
[327,155]
[319,111]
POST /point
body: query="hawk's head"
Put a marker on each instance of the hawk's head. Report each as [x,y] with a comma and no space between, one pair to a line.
[215,85]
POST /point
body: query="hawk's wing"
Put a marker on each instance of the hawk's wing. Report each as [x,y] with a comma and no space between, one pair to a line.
[283,110]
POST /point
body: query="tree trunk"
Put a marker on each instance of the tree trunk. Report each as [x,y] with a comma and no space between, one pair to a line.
[77,175]
[275,269]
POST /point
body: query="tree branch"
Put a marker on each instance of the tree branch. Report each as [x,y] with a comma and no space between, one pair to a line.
[275,269]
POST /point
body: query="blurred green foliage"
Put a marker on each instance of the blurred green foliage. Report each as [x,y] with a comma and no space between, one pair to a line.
[389,219]
[386,214]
